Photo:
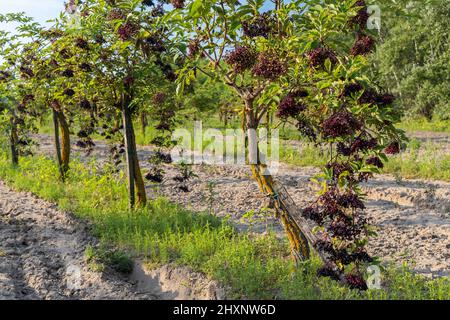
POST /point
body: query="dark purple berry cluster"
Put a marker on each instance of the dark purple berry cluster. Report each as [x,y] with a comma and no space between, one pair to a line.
[351,89]
[356,281]
[116,14]
[317,57]
[362,16]
[290,106]
[306,129]
[177,4]
[4,75]
[127,30]
[69,92]
[385,99]
[241,59]
[363,45]
[375,161]
[85,104]
[159,98]
[82,44]
[392,148]
[193,48]
[68,73]
[85,67]
[260,26]
[340,124]
[269,66]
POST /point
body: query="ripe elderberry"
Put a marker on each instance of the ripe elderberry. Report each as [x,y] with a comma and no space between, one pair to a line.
[375,161]
[351,89]
[363,45]
[328,271]
[260,26]
[269,66]
[385,99]
[159,98]
[82,44]
[340,124]
[69,92]
[85,104]
[68,73]
[85,67]
[313,214]
[393,148]
[241,59]
[290,106]
[147,3]
[127,30]
[369,96]
[177,4]
[305,128]
[116,14]
[356,281]
[193,48]
[362,16]
[317,57]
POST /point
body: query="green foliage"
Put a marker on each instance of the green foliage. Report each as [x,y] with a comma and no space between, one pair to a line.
[413,57]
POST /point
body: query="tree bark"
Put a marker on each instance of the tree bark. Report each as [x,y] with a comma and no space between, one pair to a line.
[58,144]
[13,139]
[65,141]
[144,123]
[300,249]
[135,179]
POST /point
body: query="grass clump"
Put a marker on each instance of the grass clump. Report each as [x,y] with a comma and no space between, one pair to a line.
[104,257]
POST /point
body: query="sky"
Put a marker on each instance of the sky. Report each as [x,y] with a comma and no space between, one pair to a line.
[40,10]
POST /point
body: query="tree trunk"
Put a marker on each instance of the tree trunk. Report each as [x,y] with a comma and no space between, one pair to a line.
[13,139]
[65,142]
[135,179]
[144,123]
[300,249]
[58,144]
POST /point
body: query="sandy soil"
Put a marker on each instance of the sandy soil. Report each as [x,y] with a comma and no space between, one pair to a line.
[42,257]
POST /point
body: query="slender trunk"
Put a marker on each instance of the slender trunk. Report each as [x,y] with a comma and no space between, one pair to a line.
[58,144]
[65,141]
[13,139]
[135,179]
[143,123]
[299,243]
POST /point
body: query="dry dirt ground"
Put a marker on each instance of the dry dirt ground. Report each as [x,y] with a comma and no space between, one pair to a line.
[42,257]
[42,249]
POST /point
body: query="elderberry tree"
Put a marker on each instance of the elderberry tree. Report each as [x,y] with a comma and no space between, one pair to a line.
[304,61]
[128,63]
[17,121]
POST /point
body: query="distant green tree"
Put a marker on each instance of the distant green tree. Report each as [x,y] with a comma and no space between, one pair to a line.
[413,57]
